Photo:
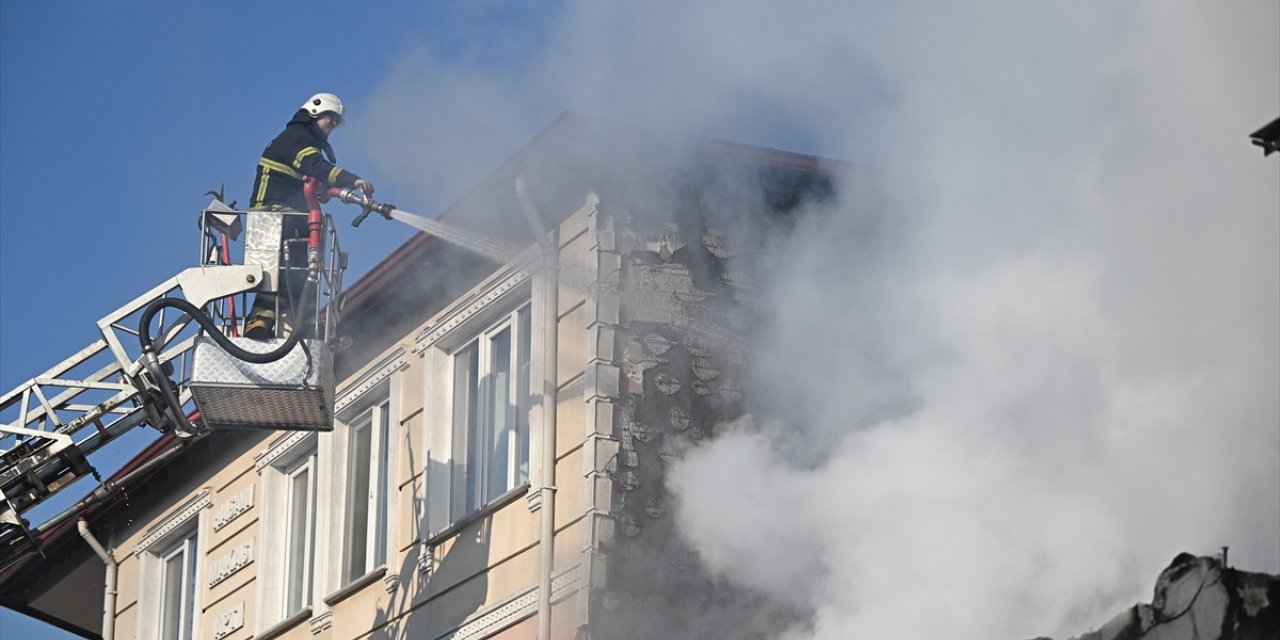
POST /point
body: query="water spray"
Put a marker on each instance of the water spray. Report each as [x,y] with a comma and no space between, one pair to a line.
[488,247]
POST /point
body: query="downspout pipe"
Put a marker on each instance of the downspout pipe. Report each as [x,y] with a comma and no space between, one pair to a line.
[550,335]
[109,590]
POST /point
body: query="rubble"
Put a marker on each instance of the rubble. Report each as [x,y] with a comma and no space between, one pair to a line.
[1200,599]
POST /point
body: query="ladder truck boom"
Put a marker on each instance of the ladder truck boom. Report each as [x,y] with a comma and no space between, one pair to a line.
[190,374]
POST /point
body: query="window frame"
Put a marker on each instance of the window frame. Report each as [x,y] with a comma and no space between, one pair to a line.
[188,547]
[375,414]
[306,594]
[278,466]
[182,531]
[484,306]
[472,490]
[377,389]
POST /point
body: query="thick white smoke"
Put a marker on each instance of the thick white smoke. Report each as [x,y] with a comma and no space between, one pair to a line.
[1063,368]
[1055,363]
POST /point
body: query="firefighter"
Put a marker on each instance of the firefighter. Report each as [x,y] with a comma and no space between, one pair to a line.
[301,150]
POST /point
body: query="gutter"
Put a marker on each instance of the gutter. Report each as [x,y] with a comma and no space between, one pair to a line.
[110,487]
[109,590]
[550,336]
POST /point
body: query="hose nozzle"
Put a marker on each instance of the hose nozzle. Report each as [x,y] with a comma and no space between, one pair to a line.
[367,205]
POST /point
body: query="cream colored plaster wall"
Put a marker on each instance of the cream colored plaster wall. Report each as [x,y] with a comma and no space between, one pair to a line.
[574,244]
[366,610]
[127,567]
[300,631]
[445,610]
[127,596]
[571,417]
[487,541]
[408,515]
[568,549]
[410,396]
[127,622]
[572,337]
[569,497]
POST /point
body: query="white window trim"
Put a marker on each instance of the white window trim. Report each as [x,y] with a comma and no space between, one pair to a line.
[275,465]
[304,466]
[187,521]
[492,302]
[188,548]
[381,401]
[485,415]
[378,382]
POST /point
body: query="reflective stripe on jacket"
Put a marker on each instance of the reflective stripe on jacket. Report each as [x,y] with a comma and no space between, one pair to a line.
[300,150]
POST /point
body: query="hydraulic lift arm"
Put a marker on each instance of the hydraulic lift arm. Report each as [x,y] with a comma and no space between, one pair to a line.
[190,375]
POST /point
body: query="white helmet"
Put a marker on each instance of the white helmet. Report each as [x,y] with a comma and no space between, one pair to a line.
[322,102]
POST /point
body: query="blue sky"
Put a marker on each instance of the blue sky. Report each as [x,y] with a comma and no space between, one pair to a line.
[1087,220]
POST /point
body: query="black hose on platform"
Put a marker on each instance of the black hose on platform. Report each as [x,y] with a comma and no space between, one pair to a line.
[182,426]
[144,328]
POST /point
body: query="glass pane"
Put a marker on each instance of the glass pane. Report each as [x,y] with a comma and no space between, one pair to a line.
[499,462]
[297,552]
[380,492]
[171,602]
[466,452]
[524,398]
[189,603]
[358,498]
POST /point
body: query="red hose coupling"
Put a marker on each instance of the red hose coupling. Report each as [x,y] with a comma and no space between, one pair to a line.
[315,219]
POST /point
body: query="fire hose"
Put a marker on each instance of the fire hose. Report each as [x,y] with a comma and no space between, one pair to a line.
[315,226]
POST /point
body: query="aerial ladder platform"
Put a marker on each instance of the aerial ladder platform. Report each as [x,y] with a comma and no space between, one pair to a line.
[173,359]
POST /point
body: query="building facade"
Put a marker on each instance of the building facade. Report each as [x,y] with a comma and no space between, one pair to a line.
[502,433]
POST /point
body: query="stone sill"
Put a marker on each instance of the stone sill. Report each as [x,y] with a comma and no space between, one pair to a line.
[487,510]
[279,628]
[356,585]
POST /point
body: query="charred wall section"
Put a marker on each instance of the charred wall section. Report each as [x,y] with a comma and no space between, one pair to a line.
[680,347]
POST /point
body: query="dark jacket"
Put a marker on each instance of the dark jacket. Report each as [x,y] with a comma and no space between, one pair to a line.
[296,153]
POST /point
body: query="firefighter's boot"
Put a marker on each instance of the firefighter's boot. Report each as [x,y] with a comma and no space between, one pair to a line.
[260,325]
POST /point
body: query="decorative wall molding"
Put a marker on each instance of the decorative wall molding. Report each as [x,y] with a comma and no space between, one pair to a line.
[178,518]
[277,449]
[229,621]
[321,622]
[517,608]
[568,580]
[235,505]
[230,562]
[534,499]
[392,581]
[396,361]
[426,558]
[461,314]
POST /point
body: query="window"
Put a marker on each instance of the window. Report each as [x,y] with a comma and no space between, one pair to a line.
[292,534]
[365,526]
[170,570]
[178,588]
[300,533]
[490,414]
